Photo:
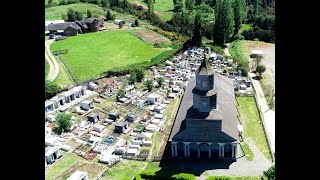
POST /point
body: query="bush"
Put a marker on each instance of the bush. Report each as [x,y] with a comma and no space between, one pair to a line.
[256,39]
[238,37]
[137,177]
[147,174]
[51,89]
[183,176]
[270,173]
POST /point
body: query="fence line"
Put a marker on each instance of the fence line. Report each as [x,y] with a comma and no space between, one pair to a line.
[63,172]
[67,67]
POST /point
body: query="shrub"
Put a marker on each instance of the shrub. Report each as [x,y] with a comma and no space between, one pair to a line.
[51,89]
[238,37]
[147,174]
[218,178]
[183,176]
[256,39]
[270,173]
[137,177]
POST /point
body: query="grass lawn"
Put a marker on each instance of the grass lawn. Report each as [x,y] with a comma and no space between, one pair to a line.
[62,164]
[63,80]
[54,13]
[236,50]
[163,8]
[47,66]
[103,51]
[124,170]
[85,148]
[247,151]
[252,124]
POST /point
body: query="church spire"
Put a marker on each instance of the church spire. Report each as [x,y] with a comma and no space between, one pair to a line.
[205,68]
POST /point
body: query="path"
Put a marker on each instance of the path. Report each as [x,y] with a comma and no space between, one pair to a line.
[242,167]
[54,66]
[268,114]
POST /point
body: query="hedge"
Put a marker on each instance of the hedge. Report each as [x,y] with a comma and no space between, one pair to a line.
[218,178]
[163,175]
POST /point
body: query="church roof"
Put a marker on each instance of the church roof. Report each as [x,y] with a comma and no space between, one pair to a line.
[225,112]
[205,68]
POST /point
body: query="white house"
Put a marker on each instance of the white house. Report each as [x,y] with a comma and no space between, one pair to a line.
[79,175]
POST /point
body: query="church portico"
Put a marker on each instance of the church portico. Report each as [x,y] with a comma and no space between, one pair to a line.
[205,150]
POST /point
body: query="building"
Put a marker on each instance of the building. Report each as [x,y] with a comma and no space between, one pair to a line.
[121,127]
[66,29]
[206,123]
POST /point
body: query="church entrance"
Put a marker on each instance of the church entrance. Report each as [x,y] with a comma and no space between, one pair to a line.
[204,151]
[214,150]
[193,150]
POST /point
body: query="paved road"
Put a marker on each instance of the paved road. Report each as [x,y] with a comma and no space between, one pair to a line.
[268,114]
[54,66]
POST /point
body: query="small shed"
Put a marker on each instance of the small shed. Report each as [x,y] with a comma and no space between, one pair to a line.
[98,127]
[79,175]
[86,105]
[120,127]
[114,116]
[93,117]
[256,53]
[131,117]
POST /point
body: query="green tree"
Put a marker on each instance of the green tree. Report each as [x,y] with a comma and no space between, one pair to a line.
[174,2]
[178,6]
[190,4]
[71,15]
[89,14]
[256,7]
[133,77]
[110,16]
[63,123]
[106,86]
[140,74]
[260,69]
[240,14]
[149,84]
[121,93]
[150,7]
[197,36]
[270,173]
[136,23]
[51,89]
[199,2]
[79,15]
[224,24]
[160,80]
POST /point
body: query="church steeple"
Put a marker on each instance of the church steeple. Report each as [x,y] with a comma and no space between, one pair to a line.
[204,94]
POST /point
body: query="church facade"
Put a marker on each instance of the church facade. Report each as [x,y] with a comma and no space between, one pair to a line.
[206,123]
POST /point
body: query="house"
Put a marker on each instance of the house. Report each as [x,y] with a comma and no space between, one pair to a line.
[93,117]
[86,105]
[79,175]
[113,116]
[52,154]
[131,117]
[121,127]
[206,122]
[65,29]
[54,22]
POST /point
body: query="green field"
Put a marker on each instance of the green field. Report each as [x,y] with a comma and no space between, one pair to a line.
[67,160]
[252,124]
[124,170]
[63,80]
[47,68]
[54,13]
[162,8]
[103,51]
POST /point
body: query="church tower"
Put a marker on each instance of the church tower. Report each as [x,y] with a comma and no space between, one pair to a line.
[205,94]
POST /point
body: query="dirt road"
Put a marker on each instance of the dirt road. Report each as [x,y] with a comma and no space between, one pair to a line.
[54,66]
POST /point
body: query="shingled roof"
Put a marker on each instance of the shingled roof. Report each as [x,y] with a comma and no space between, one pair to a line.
[205,68]
[224,115]
[62,26]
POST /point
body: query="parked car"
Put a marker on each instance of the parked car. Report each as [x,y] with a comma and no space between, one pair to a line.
[51,36]
[59,37]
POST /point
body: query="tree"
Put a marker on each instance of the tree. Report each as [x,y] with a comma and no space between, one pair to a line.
[133,77]
[89,14]
[110,16]
[63,123]
[240,14]
[224,24]
[270,173]
[255,7]
[260,69]
[136,23]
[199,2]
[51,89]
[178,6]
[149,84]
[160,80]
[71,15]
[150,7]
[174,2]
[197,37]
[105,3]
[106,86]
[122,92]
[79,15]
[140,74]
[190,4]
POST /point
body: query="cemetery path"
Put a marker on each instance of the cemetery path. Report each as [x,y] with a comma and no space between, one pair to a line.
[54,66]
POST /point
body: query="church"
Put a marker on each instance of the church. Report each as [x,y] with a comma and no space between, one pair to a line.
[206,124]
